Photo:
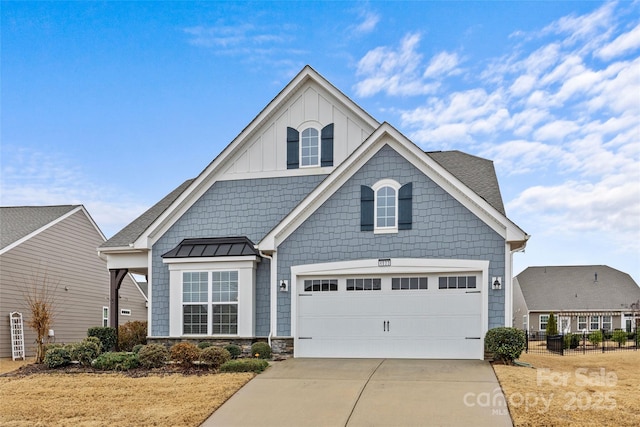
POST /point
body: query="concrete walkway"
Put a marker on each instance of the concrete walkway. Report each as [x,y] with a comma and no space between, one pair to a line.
[368,392]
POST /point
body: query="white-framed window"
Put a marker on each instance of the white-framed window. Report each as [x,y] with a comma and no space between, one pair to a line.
[594,323]
[321,285]
[582,323]
[105,316]
[125,312]
[310,147]
[386,206]
[607,323]
[364,284]
[212,296]
[409,283]
[457,282]
[544,320]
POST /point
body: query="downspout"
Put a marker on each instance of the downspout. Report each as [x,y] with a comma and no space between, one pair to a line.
[271,272]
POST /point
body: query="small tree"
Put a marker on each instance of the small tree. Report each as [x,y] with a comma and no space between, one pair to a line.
[552,325]
[40,299]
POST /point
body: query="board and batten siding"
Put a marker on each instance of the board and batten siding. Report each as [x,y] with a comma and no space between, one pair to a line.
[66,254]
[266,151]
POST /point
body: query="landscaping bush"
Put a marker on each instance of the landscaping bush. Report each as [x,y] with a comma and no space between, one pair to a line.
[552,325]
[57,357]
[506,344]
[136,348]
[620,337]
[153,355]
[85,351]
[185,353]
[106,335]
[131,334]
[595,338]
[245,365]
[234,350]
[116,361]
[571,341]
[261,350]
[214,356]
[204,344]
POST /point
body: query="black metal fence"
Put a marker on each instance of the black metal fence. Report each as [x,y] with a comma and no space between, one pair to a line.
[598,341]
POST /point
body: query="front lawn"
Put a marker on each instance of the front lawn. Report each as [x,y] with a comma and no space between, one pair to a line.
[578,390]
[114,399]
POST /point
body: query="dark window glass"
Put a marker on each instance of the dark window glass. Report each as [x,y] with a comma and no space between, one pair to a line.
[462,282]
[442,283]
[452,283]
[471,282]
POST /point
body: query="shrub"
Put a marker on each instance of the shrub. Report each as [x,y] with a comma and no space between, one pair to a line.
[131,334]
[571,341]
[506,344]
[552,325]
[185,353]
[620,337]
[116,361]
[204,344]
[86,351]
[234,350]
[245,365]
[153,355]
[136,348]
[261,350]
[595,338]
[57,357]
[214,356]
[106,335]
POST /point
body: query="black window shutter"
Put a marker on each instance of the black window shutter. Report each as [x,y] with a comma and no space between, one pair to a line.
[293,138]
[327,146]
[366,208]
[405,210]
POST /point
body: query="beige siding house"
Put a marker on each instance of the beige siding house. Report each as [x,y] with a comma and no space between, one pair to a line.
[584,298]
[57,245]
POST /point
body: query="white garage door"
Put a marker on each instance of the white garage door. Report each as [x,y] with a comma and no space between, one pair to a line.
[418,316]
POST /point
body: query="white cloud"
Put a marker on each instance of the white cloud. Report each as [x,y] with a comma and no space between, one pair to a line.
[32,178]
[442,64]
[369,22]
[623,44]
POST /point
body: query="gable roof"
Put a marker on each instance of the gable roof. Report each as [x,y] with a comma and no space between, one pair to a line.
[564,288]
[475,172]
[135,229]
[18,223]
[388,135]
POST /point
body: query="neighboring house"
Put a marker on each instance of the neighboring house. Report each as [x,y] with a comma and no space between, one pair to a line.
[57,245]
[321,229]
[586,297]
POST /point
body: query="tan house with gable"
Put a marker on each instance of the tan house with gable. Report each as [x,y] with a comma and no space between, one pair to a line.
[58,244]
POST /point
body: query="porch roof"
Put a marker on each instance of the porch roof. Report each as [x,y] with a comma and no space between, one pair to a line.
[213,247]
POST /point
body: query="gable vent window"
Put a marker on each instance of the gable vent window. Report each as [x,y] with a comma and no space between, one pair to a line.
[386,207]
[310,148]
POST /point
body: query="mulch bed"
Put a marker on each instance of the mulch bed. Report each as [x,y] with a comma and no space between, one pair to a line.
[75,368]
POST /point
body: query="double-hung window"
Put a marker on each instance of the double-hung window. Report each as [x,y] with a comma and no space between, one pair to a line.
[195,302]
[210,303]
[594,323]
[582,323]
[606,323]
[544,320]
[225,302]
[310,148]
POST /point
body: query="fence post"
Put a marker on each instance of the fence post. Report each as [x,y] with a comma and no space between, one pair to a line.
[604,339]
[584,342]
[526,341]
[561,344]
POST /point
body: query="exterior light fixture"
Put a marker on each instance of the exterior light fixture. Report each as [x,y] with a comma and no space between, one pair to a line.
[284,285]
[496,282]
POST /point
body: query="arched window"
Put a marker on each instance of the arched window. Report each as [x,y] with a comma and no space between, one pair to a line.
[310,147]
[386,207]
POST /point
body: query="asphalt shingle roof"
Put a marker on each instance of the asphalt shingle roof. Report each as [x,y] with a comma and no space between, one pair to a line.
[17,222]
[131,232]
[574,288]
[475,172]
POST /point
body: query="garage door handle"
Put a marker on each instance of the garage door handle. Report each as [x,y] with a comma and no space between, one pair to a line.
[385,326]
[473,292]
[305,338]
[471,338]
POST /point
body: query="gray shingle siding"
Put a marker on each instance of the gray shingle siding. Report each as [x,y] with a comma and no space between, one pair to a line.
[248,208]
[442,228]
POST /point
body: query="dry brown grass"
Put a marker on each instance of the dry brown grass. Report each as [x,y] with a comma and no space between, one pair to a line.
[8,365]
[580,390]
[113,399]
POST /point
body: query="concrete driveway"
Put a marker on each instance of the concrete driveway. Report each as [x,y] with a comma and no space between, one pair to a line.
[368,392]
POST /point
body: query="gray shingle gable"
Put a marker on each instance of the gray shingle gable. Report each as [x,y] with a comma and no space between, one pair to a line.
[17,222]
[557,288]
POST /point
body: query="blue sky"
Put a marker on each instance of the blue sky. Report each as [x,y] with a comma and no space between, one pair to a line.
[114,104]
